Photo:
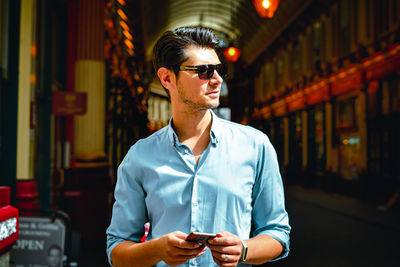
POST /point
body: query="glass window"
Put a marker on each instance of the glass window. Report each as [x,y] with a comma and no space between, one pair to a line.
[268,79]
[368,18]
[319,140]
[278,140]
[3,37]
[296,62]
[345,115]
[344,30]
[394,9]
[279,72]
[334,34]
[385,104]
[316,42]
[395,94]
[349,156]
[295,141]
[382,16]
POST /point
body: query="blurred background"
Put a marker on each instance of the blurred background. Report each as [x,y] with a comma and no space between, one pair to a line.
[320,78]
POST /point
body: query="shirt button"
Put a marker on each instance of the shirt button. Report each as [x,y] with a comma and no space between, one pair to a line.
[186,151]
[195,204]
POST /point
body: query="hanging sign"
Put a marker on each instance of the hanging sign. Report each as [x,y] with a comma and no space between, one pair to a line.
[68,103]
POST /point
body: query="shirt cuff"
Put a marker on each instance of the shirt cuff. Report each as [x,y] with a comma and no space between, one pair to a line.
[281,238]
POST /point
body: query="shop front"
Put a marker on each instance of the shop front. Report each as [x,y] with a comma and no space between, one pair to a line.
[383,137]
[316,144]
[349,131]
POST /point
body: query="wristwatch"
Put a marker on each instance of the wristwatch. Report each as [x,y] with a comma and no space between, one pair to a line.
[243,258]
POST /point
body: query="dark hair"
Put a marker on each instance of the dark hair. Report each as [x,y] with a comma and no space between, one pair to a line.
[169,51]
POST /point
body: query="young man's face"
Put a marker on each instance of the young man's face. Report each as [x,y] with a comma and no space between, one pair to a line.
[191,91]
[54,257]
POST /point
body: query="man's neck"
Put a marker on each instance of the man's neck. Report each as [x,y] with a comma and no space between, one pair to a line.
[192,124]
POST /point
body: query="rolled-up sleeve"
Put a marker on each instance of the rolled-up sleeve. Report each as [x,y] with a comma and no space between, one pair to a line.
[269,213]
[129,211]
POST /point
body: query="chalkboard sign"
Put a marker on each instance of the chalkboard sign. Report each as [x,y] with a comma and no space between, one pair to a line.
[40,244]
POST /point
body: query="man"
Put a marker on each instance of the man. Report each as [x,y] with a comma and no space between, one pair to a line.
[199,173]
[54,256]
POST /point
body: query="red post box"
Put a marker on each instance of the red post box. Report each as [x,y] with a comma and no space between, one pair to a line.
[8,224]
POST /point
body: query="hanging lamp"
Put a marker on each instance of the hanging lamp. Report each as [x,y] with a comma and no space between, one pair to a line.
[266,8]
[232,53]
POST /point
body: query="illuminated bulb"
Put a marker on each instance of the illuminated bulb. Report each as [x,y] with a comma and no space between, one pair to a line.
[266,4]
[231,51]
[122,15]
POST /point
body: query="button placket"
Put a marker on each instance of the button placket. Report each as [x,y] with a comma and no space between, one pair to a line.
[194,207]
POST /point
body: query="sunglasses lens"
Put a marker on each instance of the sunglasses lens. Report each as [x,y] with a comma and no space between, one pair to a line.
[203,71]
[221,70]
[210,71]
[206,72]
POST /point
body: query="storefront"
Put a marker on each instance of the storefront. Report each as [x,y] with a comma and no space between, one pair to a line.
[9,39]
[349,130]
[278,138]
[294,167]
[347,139]
[316,144]
[383,136]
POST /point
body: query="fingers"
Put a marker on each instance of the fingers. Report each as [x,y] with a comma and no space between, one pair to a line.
[176,250]
[183,256]
[226,249]
[225,243]
[225,260]
[177,239]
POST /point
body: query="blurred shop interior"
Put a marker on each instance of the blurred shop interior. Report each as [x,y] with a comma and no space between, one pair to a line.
[77,88]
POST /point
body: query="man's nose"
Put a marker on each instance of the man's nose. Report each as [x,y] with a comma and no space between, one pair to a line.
[216,78]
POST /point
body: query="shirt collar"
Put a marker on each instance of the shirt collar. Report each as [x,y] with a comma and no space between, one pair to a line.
[214,132]
[215,128]
[173,138]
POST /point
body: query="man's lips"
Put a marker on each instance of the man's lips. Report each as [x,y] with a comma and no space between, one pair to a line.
[213,92]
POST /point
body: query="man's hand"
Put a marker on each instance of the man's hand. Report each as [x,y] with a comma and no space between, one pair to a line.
[226,249]
[175,250]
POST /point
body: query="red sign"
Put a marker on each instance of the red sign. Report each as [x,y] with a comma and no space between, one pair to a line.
[383,68]
[295,101]
[279,108]
[318,95]
[68,103]
[266,112]
[349,82]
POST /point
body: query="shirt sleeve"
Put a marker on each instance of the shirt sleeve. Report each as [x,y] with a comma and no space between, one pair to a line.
[129,212]
[269,214]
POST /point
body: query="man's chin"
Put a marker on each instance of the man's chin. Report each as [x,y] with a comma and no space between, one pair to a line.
[214,104]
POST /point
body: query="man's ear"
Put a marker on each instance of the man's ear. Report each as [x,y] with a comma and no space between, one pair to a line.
[167,78]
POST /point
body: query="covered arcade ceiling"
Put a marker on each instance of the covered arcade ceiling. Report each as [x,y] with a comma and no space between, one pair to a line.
[233,20]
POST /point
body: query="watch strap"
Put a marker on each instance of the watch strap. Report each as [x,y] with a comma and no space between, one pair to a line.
[245,248]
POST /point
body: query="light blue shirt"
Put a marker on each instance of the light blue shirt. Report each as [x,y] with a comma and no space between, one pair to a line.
[235,183]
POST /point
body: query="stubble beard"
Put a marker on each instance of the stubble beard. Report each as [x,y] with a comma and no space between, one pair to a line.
[196,106]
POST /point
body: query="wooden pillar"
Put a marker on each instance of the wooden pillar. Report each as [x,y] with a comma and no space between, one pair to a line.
[328,126]
[25,136]
[304,140]
[361,111]
[90,77]
[286,140]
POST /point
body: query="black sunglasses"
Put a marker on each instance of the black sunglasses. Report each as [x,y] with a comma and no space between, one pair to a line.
[206,71]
